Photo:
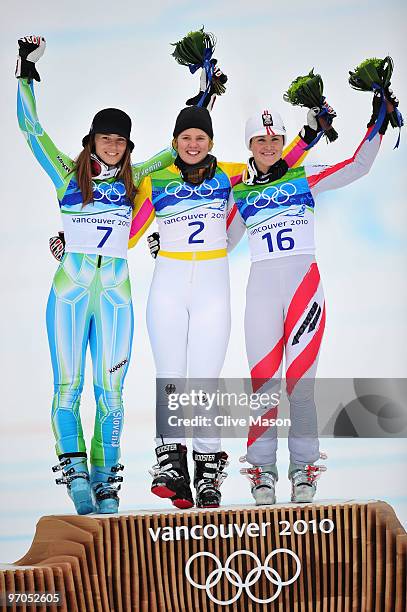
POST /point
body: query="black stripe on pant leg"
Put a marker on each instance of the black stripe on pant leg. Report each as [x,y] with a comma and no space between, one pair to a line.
[305,323]
[315,320]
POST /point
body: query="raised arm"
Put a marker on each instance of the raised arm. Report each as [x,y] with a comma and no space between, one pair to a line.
[55,163]
[324,178]
[295,153]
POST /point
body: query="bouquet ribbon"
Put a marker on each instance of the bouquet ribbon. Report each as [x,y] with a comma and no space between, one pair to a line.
[207,66]
[400,123]
[382,111]
[382,114]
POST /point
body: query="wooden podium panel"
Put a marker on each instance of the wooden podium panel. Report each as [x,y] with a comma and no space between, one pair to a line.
[324,557]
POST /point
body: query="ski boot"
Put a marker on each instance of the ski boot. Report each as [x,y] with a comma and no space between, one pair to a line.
[208,477]
[303,480]
[76,477]
[105,490]
[170,475]
[263,480]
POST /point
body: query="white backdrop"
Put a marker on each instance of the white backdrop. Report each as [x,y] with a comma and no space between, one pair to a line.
[116,54]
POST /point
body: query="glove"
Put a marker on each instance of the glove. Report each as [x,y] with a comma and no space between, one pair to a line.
[30,49]
[315,124]
[57,245]
[153,242]
[210,96]
[312,121]
[391,103]
[325,121]
[390,99]
[395,118]
[310,131]
[392,115]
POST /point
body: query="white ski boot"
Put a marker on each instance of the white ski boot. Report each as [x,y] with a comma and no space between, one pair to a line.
[263,480]
[303,480]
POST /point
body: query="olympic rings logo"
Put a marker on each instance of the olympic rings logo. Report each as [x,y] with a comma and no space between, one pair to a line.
[111,191]
[234,578]
[182,190]
[277,195]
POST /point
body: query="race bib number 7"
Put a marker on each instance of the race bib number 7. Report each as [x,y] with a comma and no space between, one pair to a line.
[107,231]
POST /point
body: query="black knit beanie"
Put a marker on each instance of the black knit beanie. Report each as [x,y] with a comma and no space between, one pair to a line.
[194,117]
[110,121]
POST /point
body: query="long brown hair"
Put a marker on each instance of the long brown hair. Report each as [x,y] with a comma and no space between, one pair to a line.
[83,171]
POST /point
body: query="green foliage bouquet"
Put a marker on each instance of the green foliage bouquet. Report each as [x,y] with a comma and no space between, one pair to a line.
[374,74]
[308,91]
[195,50]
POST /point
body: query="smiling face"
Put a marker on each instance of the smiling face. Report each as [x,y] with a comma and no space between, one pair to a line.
[193,145]
[110,148]
[266,150]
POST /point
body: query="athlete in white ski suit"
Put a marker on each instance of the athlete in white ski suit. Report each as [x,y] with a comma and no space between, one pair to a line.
[188,311]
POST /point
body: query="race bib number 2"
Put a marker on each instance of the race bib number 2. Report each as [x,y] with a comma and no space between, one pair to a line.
[193,237]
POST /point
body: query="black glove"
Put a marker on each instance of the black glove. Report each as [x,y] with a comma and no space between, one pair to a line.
[153,242]
[57,245]
[376,104]
[396,120]
[30,49]
[210,96]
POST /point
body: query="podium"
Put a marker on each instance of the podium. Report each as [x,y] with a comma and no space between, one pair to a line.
[337,556]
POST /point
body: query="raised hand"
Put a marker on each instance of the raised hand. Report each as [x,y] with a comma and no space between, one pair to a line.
[207,93]
[30,49]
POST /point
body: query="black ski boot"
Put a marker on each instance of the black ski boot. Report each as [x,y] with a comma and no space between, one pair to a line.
[171,477]
[209,475]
